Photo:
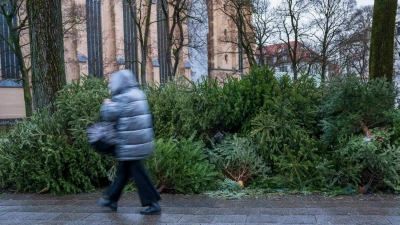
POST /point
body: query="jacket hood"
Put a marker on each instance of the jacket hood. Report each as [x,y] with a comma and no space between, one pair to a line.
[121,80]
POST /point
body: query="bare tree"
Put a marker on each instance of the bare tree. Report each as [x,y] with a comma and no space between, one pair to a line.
[329,19]
[354,43]
[198,31]
[11,10]
[264,27]
[140,14]
[242,35]
[47,51]
[177,15]
[73,15]
[294,27]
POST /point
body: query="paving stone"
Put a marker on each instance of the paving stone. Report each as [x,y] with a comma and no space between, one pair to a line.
[6,202]
[243,211]
[127,218]
[385,204]
[81,223]
[395,211]
[122,209]
[232,204]
[370,219]
[22,222]
[393,219]
[307,211]
[333,219]
[71,216]
[101,217]
[259,204]
[351,204]
[121,223]
[375,211]
[202,210]
[164,218]
[78,209]
[299,219]
[213,223]
[14,216]
[232,219]
[288,204]
[322,204]
[26,208]
[180,210]
[223,211]
[275,211]
[42,216]
[265,219]
[340,211]
[196,219]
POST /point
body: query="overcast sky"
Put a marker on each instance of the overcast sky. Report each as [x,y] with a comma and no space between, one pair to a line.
[359,2]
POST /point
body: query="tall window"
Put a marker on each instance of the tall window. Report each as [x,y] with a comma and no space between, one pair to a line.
[130,39]
[94,37]
[162,40]
[240,55]
[8,60]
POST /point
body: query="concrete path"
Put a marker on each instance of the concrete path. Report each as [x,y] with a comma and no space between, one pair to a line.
[201,210]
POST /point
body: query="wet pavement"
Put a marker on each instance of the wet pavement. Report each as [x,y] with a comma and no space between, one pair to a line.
[202,210]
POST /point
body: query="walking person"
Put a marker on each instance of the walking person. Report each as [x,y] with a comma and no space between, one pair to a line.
[130,110]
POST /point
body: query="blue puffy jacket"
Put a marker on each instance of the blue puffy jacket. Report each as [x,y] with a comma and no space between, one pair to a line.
[131,112]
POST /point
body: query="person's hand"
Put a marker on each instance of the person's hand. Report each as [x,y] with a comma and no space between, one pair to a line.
[106,101]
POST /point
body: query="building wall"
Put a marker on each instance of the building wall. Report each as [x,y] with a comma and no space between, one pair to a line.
[76,51]
[11,103]
[223,57]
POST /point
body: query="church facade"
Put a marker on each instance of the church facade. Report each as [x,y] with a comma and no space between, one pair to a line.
[101,37]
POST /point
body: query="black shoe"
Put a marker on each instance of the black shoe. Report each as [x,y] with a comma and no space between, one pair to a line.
[154,209]
[107,203]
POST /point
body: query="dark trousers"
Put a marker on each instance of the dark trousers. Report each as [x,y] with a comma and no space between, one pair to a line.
[134,169]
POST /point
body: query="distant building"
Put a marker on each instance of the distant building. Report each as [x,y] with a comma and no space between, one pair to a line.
[277,56]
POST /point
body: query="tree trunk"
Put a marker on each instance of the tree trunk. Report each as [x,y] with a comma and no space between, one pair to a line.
[47,51]
[16,48]
[144,42]
[382,39]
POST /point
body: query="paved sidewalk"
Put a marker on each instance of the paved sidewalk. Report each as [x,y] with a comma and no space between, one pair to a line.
[202,210]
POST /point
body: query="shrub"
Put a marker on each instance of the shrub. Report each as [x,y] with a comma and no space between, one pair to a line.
[182,107]
[51,151]
[301,167]
[355,161]
[237,158]
[285,129]
[347,101]
[182,166]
